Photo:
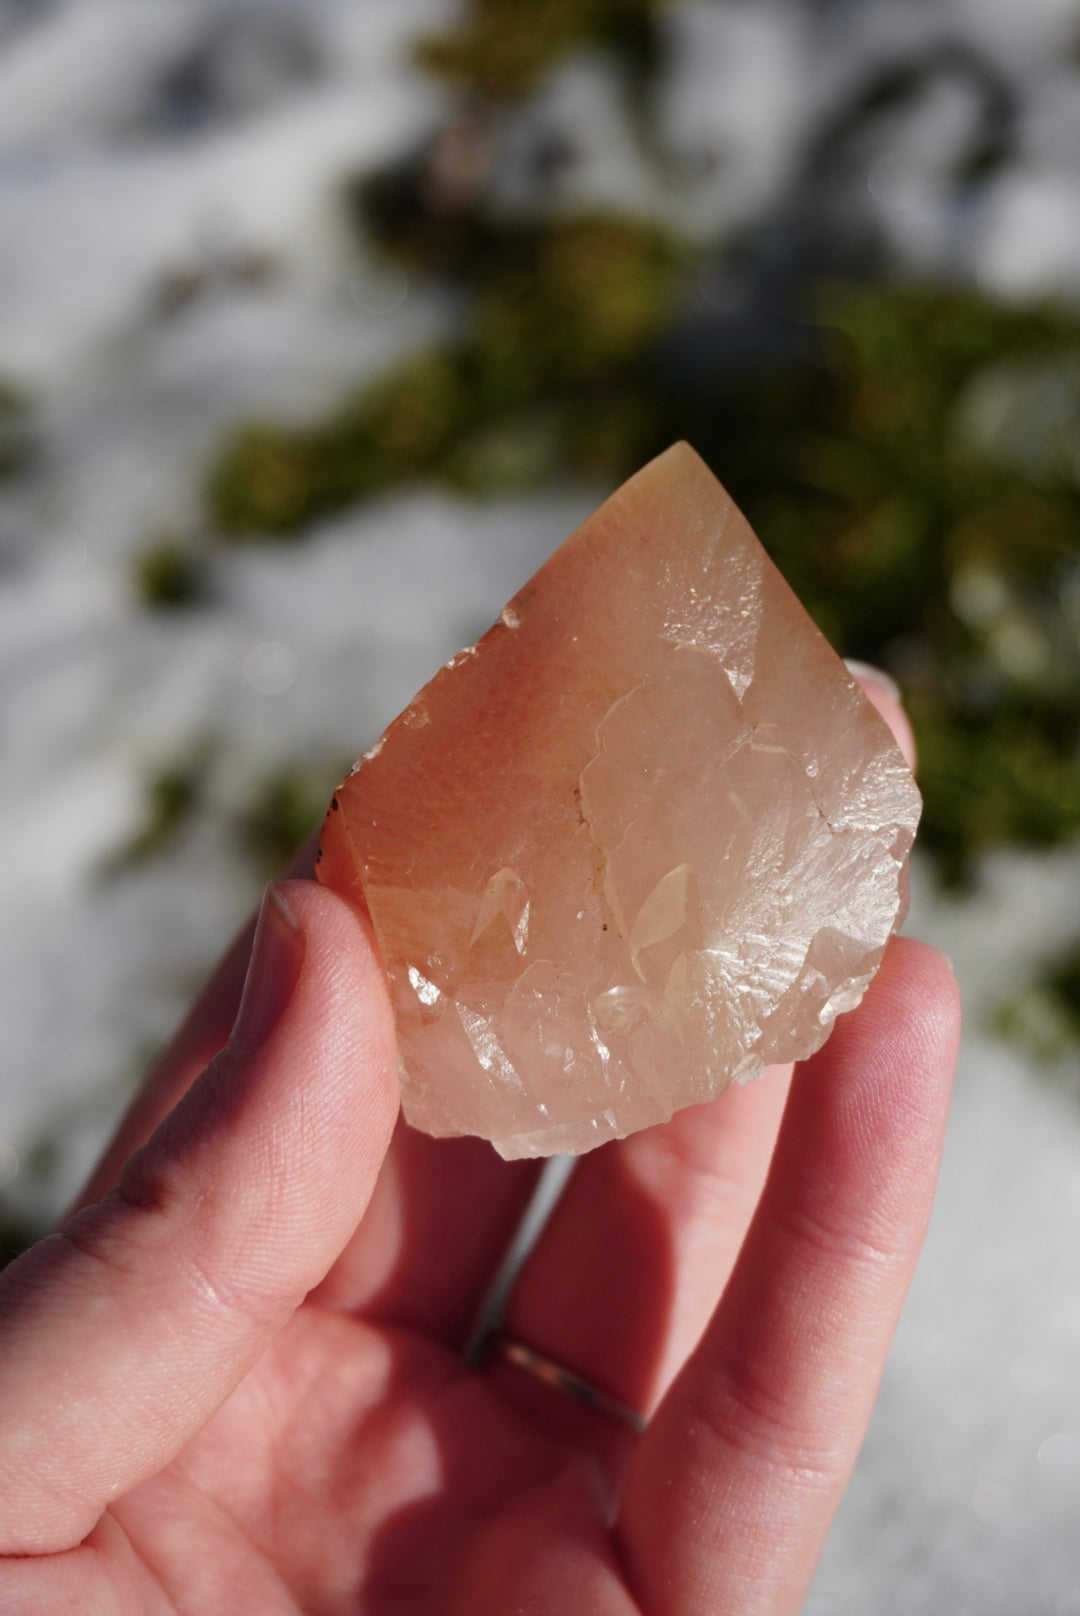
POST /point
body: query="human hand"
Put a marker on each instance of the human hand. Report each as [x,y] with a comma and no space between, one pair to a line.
[234,1382]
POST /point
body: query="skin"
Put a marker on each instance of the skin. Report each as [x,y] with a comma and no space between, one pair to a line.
[233,1380]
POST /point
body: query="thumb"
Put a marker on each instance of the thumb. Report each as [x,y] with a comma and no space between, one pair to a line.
[123,1333]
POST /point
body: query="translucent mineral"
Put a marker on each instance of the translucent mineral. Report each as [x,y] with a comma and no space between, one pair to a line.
[643,838]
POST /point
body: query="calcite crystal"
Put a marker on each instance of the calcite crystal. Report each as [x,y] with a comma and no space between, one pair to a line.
[643,838]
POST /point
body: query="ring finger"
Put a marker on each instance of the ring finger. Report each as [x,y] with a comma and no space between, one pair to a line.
[637,1252]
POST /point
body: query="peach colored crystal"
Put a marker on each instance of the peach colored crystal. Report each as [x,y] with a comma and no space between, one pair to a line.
[645,837]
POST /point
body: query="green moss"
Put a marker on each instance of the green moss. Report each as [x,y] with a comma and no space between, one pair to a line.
[169,575]
[552,337]
[1044,1017]
[1063,981]
[14,431]
[271,480]
[1004,781]
[501,51]
[260,481]
[173,795]
[15,1236]
[585,298]
[285,807]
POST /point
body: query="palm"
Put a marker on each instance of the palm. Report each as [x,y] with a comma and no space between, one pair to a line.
[281,1486]
[362,1466]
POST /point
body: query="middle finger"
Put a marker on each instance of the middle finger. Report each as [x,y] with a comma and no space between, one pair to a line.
[633,1260]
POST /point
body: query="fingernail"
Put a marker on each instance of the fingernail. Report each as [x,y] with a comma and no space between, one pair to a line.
[273,971]
[875,676]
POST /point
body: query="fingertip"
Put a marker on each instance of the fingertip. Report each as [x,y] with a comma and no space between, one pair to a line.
[880,1087]
[343,1005]
[927,967]
[884,695]
[323,907]
[917,995]
[343,951]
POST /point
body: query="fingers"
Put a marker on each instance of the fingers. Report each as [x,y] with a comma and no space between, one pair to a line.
[632,1262]
[880,690]
[731,1492]
[635,1256]
[442,1213]
[440,1221]
[122,1334]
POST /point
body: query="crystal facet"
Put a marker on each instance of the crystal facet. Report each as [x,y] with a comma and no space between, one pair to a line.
[644,838]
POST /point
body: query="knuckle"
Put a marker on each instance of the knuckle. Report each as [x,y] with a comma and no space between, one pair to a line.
[862,1242]
[758,1426]
[92,1236]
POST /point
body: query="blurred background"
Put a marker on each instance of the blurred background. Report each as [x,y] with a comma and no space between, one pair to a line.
[321,324]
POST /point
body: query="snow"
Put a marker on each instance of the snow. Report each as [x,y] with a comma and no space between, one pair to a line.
[737,104]
[1031,241]
[149,156]
[966,1495]
[98,206]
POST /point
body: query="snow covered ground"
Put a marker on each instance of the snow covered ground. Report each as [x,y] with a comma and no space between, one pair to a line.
[967,1495]
[151,159]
